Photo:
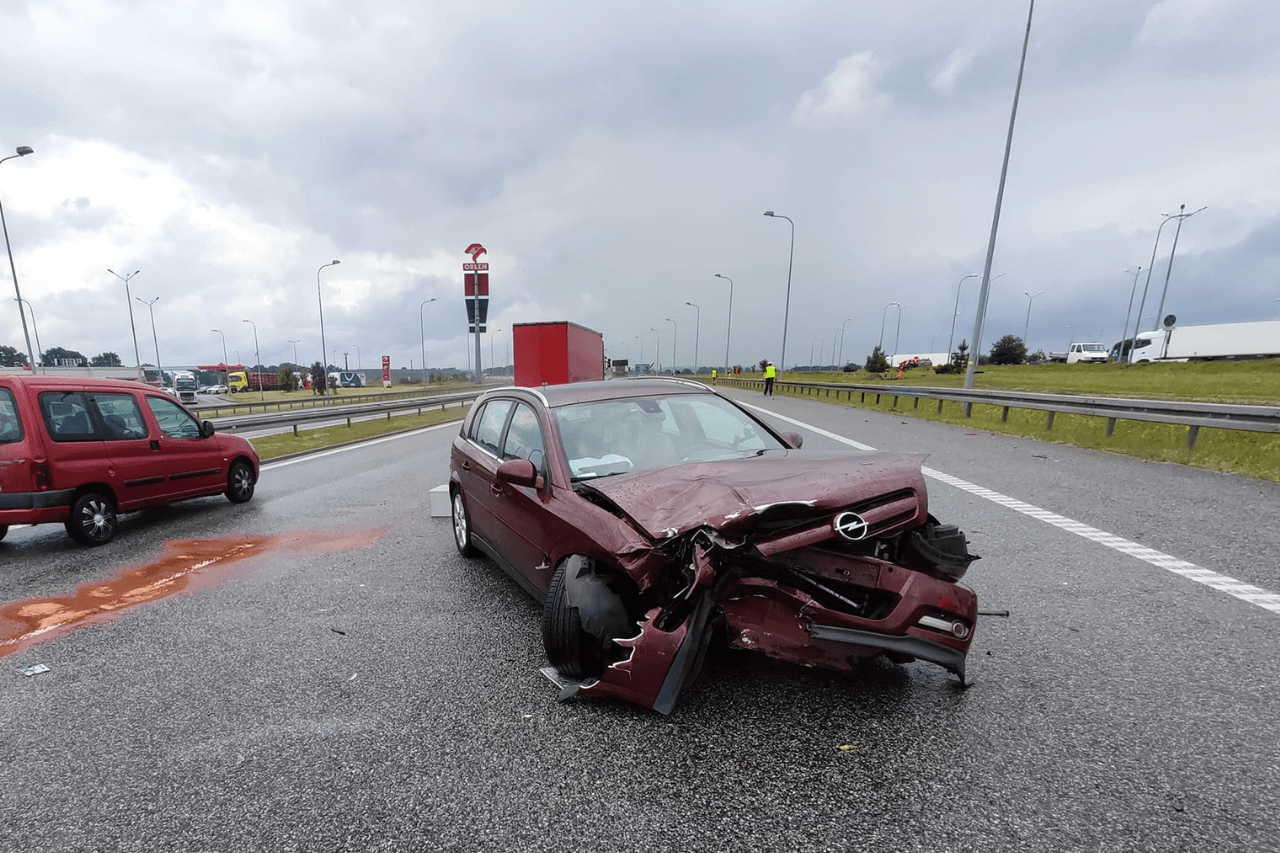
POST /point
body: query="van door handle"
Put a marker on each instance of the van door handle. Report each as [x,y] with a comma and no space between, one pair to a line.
[155,444]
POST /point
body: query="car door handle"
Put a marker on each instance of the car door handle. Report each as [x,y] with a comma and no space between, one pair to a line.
[155,444]
[465,466]
[496,490]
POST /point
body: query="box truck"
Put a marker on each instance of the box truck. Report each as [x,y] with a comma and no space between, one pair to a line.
[556,353]
[1260,339]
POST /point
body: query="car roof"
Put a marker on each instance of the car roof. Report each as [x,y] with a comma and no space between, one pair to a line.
[612,389]
[72,382]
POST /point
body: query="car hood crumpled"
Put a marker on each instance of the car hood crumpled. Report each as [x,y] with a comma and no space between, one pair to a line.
[728,495]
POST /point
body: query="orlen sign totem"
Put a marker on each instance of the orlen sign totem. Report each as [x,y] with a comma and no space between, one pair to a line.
[477,282]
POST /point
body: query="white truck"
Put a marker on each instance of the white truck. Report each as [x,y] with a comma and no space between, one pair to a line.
[185,384]
[1259,339]
[1083,352]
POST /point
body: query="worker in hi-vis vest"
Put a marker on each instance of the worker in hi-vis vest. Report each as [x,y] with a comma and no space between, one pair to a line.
[769,375]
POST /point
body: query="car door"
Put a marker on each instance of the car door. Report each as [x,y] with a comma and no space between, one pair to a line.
[139,477]
[523,513]
[190,463]
[478,467]
[75,449]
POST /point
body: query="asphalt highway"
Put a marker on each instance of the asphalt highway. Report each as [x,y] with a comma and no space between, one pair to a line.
[353,684]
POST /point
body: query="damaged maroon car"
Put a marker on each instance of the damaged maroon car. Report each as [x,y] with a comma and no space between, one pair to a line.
[652,516]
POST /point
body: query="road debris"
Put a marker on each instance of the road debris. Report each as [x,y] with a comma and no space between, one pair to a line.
[33,669]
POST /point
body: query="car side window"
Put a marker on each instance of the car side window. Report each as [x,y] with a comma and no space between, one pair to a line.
[66,417]
[524,437]
[121,418]
[487,431]
[10,425]
[174,420]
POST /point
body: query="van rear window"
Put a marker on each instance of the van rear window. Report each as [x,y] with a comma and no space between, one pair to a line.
[66,416]
[10,424]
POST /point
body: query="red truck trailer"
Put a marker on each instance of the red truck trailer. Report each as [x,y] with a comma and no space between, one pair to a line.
[556,353]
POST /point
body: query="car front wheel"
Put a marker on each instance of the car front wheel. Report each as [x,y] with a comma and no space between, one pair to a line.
[461,526]
[572,651]
[239,483]
[93,519]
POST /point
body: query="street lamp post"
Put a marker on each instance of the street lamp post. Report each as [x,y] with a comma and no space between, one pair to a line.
[657,347]
[697,332]
[1143,302]
[154,339]
[295,350]
[675,329]
[1027,325]
[359,363]
[883,316]
[1124,336]
[981,315]
[782,362]
[23,151]
[224,355]
[492,364]
[1169,271]
[324,353]
[817,338]
[952,339]
[640,360]
[728,324]
[842,331]
[898,330]
[128,300]
[1073,335]
[422,337]
[39,349]
[257,359]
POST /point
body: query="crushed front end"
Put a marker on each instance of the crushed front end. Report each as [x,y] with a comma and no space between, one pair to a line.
[855,569]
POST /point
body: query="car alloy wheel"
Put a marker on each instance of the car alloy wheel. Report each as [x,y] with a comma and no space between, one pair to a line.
[461,526]
[92,520]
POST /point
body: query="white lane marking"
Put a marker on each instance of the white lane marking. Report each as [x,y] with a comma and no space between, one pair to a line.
[269,466]
[1214,580]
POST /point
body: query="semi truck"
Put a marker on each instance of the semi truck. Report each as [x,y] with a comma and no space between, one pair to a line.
[1204,342]
[556,353]
[185,384]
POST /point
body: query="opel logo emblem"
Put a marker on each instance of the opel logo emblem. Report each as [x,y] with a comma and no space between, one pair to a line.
[851,526]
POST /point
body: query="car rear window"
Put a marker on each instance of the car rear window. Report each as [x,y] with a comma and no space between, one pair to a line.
[66,416]
[10,424]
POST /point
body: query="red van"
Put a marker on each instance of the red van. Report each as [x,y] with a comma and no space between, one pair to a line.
[81,451]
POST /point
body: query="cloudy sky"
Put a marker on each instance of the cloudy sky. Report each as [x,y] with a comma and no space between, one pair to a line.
[614,155]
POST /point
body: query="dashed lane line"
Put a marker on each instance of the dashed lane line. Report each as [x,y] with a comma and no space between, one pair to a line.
[1214,580]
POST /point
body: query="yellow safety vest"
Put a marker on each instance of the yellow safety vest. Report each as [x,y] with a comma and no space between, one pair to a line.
[769,372]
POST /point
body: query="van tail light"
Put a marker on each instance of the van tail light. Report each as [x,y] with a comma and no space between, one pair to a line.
[40,476]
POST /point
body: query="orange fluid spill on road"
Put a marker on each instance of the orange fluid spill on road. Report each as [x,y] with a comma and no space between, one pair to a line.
[186,564]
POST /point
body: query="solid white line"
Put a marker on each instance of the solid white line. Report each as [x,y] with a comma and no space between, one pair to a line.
[1214,580]
[269,466]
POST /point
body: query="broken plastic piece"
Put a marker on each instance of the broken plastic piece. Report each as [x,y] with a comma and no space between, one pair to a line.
[33,669]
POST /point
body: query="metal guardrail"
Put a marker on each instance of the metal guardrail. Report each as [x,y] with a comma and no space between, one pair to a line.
[351,411]
[1191,415]
[310,401]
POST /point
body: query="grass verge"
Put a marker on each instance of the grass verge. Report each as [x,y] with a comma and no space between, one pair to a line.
[286,444]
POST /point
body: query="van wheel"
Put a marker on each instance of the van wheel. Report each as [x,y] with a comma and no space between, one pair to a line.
[92,520]
[4,528]
[239,483]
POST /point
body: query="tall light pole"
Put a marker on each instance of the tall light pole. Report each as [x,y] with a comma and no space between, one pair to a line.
[224,355]
[675,329]
[359,363]
[1169,271]
[883,316]
[995,219]
[1124,336]
[1073,335]
[786,313]
[951,340]
[898,331]
[697,332]
[492,364]
[39,349]
[657,347]
[257,359]
[1027,325]
[640,360]
[128,300]
[1143,302]
[728,326]
[154,339]
[324,353]
[422,337]
[842,330]
[817,338]
[23,151]
[295,349]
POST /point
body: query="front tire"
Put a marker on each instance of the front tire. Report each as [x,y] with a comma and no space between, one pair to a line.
[93,519]
[240,482]
[572,651]
[4,528]
[461,525]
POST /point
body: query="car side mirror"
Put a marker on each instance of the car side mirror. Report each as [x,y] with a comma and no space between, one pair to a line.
[519,472]
[794,439]
[206,429]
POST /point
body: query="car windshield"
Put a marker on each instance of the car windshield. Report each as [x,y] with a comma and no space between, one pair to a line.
[1093,348]
[644,433]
